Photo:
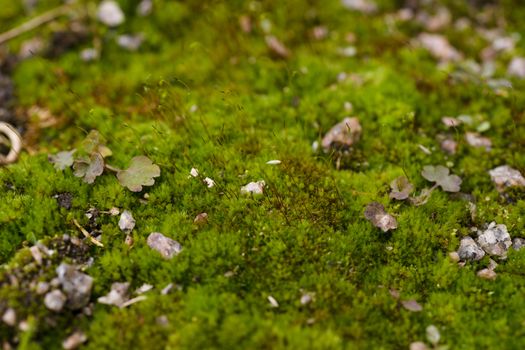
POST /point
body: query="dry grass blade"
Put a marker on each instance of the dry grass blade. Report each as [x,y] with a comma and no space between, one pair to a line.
[85,233]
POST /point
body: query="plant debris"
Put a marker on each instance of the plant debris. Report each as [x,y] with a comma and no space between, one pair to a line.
[62,160]
[376,214]
[89,168]
[166,246]
[440,175]
[401,188]
[343,135]
[255,188]
[141,172]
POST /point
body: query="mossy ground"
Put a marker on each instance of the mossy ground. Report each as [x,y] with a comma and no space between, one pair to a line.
[307,234]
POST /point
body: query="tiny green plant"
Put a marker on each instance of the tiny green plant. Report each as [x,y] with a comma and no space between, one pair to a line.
[91,163]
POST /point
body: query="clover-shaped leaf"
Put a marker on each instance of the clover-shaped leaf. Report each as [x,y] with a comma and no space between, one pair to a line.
[440,175]
[423,197]
[401,188]
[62,160]
[89,168]
[140,173]
[96,143]
[376,214]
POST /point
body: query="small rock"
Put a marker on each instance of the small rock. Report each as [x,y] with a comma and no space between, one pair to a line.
[412,305]
[209,182]
[166,289]
[518,243]
[74,340]
[487,274]
[476,140]
[451,122]
[114,211]
[454,256]
[194,172]
[450,146]
[319,32]
[495,240]
[469,250]
[272,301]
[418,345]
[126,222]
[145,7]
[433,335]
[342,135]
[110,14]
[201,219]
[9,317]
[348,51]
[31,48]
[517,67]
[117,296]
[306,299]
[277,47]
[64,200]
[162,320]
[37,254]
[377,215]
[254,187]
[130,42]
[504,176]
[438,21]
[439,47]
[245,23]
[24,326]
[88,55]
[77,285]
[166,246]
[55,300]
[129,240]
[273,162]
[364,6]
[41,287]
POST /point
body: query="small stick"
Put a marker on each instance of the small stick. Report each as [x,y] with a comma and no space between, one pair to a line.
[34,23]
[85,233]
[133,301]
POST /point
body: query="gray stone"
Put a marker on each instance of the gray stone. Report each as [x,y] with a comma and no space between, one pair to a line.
[504,176]
[117,296]
[469,250]
[9,317]
[74,340]
[254,187]
[517,67]
[77,285]
[495,240]
[110,14]
[343,135]
[130,42]
[518,243]
[55,300]
[126,222]
[166,246]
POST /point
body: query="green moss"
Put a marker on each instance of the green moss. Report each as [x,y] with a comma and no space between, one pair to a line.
[201,93]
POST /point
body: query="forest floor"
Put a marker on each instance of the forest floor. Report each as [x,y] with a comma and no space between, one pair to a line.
[172,110]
